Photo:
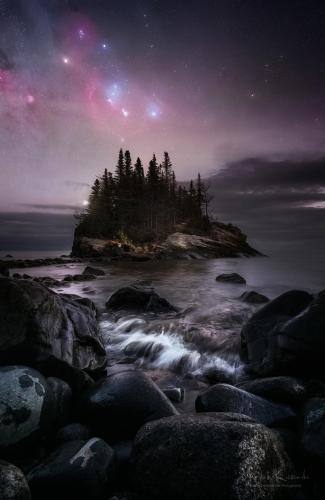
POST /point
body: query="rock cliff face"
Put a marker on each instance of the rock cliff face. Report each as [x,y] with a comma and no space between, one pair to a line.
[224,240]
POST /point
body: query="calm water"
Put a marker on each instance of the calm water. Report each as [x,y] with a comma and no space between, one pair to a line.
[205,335]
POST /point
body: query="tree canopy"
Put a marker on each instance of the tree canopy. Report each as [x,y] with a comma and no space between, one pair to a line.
[143,206]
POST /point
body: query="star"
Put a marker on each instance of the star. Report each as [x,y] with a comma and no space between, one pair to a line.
[104,46]
[65,60]
[81,34]
[125,112]
[30,99]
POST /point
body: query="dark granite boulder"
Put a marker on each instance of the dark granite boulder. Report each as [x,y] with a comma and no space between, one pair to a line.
[266,347]
[35,322]
[26,408]
[231,278]
[287,390]
[74,432]
[192,457]
[313,436]
[117,406]
[226,398]
[80,470]
[13,484]
[138,299]
[62,395]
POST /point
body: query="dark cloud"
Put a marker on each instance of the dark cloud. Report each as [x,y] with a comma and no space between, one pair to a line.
[275,202]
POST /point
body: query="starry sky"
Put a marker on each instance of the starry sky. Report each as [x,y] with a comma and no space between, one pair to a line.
[214,82]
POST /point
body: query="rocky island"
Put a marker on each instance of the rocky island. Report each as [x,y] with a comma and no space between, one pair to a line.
[136,216]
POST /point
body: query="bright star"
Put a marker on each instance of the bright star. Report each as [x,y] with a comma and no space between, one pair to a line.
[104,46]
[125,112]
[85,203]
[66,60]
[30,99]
[153,111]
[81,34]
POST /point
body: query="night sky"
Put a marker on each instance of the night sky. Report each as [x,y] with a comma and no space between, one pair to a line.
[226,86]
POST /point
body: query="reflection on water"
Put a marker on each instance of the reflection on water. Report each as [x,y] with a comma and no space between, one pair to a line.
[205,335]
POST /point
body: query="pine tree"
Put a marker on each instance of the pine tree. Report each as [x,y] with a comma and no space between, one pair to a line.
[120,169]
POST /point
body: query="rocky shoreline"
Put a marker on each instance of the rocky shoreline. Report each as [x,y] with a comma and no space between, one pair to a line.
[74,425]
[223,240]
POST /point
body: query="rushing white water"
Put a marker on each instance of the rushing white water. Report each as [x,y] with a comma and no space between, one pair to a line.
[168,345]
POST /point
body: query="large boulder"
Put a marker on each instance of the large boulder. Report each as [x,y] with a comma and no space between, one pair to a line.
[193,457]
[75,470]
[231,278]
[272,344]
[27,408]
[137,298]
[116,407]
[226,398]
[36,323]
[13,484]
[288,390]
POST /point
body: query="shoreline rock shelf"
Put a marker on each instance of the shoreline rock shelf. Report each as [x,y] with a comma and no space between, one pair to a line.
[69,428]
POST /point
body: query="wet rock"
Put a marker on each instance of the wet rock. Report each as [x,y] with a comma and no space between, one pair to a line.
[49,282]
[193,457]
[254,298]
[74,432]
[175,394]
[287,336]
[26,408]
[93,271]
[313,436]
[13,484]
[231,278]
[62,395]
[116,407]
[226,398]
[35,323]
[75,470]
[4,270]
[138,299]
[288,390]
[79,277]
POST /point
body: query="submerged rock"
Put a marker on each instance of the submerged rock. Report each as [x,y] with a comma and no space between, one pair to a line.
[116,407]
[254,298]
[13,484]
[287,336]
[75,470]
[36,323]
[138,299]
[231,278]
[193,457]
[79,277]
[226,398]
[94,271]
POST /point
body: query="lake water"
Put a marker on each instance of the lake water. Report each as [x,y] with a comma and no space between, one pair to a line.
[205,335]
